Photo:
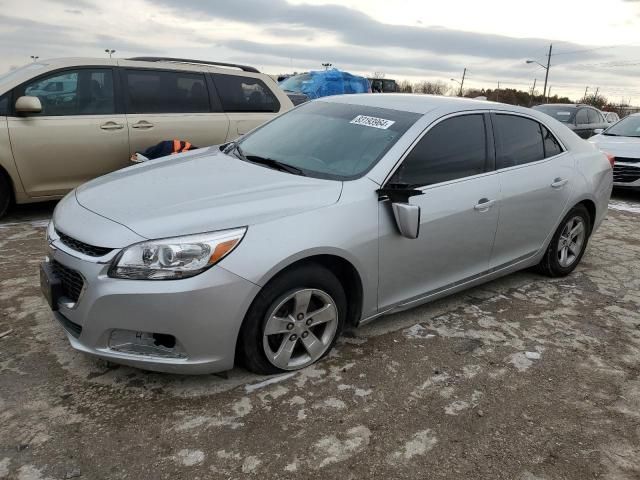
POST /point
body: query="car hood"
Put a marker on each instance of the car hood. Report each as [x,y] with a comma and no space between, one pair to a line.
[201,191]
[618,146]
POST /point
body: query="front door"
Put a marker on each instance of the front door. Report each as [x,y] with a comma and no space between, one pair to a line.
[453,167]
[76,137]
[536,180]
[166,105]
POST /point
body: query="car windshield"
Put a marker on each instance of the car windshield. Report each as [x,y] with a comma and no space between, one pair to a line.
[559,112]
[627,127]
[294,84]
[18,72]
[329,140]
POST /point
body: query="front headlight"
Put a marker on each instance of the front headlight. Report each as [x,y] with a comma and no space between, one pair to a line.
[174,258]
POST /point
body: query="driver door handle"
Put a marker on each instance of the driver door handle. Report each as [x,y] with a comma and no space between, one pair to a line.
[484,204]
[559,182]
[142,124]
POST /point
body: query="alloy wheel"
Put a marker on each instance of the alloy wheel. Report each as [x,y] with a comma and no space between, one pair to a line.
[300,329]
[571,241]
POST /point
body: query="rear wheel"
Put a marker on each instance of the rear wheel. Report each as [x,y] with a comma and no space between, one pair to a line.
[568,244]
[5,194]
[294,321]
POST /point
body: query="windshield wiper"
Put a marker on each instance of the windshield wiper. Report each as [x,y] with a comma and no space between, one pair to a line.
[270,162]
[267,162]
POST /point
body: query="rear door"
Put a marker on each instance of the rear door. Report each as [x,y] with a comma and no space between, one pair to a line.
[79,134]
[452,165]
[247,101]
[535,180]
[167,104]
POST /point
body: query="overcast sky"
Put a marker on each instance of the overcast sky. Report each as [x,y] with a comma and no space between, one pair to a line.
[596,43]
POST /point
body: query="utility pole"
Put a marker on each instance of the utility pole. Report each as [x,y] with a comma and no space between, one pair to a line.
[595,96]
[533,91]
[498,93]
[549,95]
[464,74]
[584,99]
[546,75]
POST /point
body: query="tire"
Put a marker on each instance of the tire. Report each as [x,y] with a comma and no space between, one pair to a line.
[280,306]
[5,194]
[552,264]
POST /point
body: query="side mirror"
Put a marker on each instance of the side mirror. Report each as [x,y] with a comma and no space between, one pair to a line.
[598,131]
[27,104]
[407,219]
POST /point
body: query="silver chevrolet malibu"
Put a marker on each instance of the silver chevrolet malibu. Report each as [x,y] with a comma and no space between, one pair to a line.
[340,211]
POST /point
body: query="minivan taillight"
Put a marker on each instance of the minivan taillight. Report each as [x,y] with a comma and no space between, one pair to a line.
[611,158]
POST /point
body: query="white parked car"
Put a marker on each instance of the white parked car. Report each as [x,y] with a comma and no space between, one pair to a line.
[611,117]
[622,140]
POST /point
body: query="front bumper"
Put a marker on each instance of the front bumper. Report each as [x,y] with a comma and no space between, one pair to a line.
[204,314]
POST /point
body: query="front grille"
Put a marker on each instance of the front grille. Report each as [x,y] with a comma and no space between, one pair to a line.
[625,174]
[627,159]
[71,327]
[72,281]
[82,247]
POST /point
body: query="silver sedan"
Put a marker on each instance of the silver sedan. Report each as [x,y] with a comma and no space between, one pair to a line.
[338,212]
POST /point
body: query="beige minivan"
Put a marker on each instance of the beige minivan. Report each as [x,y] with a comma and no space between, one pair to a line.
[66,121]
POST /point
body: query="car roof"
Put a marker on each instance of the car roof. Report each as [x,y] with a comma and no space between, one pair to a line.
[418,103]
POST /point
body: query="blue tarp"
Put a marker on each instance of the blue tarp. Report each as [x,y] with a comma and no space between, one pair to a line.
[316,84]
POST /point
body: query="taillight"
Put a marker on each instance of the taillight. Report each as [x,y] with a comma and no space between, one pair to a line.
[611,158]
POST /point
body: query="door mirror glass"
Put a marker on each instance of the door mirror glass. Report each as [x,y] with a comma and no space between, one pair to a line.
[598,131]
[407,219]
[27,104]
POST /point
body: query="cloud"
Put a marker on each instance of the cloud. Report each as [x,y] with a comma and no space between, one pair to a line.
[354,27]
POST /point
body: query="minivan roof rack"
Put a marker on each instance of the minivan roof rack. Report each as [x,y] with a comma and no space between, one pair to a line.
[244,68]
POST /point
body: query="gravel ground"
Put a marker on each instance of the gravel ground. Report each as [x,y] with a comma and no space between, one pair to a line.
[523,378]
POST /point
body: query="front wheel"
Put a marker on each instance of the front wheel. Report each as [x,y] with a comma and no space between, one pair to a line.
[294,321]
[568,244]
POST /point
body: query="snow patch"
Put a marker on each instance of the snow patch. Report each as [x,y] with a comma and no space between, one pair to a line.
[420,443]
[269,381]
[189,458]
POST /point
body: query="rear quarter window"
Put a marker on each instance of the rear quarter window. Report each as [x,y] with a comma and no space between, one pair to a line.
[245,94]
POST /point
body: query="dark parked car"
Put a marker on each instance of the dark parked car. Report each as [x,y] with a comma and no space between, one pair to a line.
[386,85]
[582,119]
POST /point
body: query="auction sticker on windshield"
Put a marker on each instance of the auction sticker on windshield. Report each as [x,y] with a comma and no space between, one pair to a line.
[374,122]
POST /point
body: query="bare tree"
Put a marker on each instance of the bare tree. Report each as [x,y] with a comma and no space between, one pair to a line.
[431,88]
[405,86]
[378,75]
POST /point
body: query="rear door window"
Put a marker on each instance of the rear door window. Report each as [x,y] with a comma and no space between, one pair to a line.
[245,94]
[518,140]
[84,91]
[594,116]
[157,91]
[582,117]
[454,148]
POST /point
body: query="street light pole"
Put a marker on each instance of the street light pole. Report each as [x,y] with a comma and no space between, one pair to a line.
[464,74]
[109,51]
[546,76]
[34,57]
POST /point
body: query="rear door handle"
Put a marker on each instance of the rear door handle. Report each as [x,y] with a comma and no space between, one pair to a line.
[112,126]
[559,182]
[484,204]
[142,124]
